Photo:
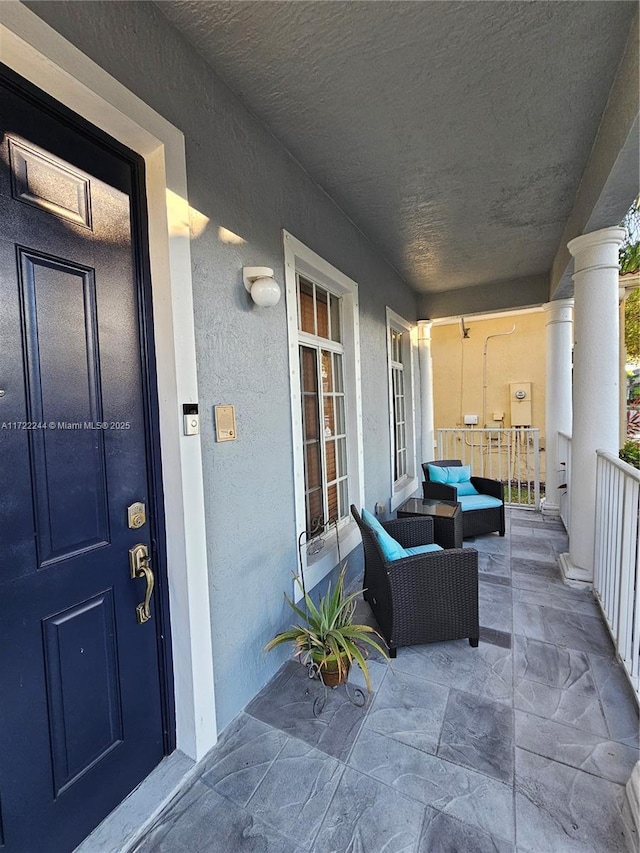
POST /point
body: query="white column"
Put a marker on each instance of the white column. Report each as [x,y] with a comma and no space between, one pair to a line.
[558,397]
[595,386]
[426,389]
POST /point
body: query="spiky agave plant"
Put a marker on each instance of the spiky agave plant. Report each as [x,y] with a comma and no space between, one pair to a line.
[327,633]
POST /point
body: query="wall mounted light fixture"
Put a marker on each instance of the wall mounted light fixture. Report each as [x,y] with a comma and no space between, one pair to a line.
[264,289]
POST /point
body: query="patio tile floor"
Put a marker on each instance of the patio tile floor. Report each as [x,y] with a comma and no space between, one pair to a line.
[523,744]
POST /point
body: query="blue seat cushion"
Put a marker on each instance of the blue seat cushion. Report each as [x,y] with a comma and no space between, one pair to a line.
[391,549]
[422,549]
[455,475]
[478,502]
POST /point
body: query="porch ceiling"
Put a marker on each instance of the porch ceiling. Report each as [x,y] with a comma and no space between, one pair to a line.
[454,134]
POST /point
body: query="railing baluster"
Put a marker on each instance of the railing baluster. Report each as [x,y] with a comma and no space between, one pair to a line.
[618,564]
[635,646]
[536,469]
[510,463]
[606,526]
[625,621]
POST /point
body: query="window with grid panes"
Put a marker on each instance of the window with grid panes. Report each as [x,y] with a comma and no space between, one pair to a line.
[399,405]
[324,428]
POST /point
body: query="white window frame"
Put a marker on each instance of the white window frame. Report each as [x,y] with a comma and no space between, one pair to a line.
[298,258]
[402,489]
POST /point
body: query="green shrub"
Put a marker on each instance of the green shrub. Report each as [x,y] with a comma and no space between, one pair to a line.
[631,452]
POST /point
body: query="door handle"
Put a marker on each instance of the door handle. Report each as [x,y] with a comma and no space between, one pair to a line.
[141,568]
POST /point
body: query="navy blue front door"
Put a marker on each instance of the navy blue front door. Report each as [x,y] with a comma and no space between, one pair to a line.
[80,693]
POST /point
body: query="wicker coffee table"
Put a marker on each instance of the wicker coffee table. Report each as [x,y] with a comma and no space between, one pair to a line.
[447,518]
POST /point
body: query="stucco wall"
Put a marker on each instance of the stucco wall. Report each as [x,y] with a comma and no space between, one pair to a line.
[244,181]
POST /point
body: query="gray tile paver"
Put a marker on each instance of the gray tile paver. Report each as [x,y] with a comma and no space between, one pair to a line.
[428,765]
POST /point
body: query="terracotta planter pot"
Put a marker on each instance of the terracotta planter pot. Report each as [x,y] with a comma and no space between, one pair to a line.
[329,673]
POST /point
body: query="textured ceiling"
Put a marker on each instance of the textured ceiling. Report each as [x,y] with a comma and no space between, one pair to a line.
[453,134]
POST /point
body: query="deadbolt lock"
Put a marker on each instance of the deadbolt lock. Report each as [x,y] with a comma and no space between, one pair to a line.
[136,515]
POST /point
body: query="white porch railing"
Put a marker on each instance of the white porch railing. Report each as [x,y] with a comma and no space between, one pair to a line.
[509,455]
[564,460]
[616,557]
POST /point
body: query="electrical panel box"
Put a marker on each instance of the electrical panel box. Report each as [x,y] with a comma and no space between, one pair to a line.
[470,420]
[520,398]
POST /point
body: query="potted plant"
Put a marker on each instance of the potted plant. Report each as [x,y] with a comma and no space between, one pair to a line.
[326,636]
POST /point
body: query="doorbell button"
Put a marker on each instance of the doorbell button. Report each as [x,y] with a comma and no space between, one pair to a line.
[191,424]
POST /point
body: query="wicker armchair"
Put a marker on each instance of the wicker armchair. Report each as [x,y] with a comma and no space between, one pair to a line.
[420,599]
[475,522]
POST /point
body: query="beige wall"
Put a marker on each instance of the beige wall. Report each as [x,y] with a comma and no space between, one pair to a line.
[458,368]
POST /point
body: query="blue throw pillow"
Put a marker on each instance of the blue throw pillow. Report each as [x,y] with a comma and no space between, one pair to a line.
[437,474]
[391,549]
[455,475]
[466,488]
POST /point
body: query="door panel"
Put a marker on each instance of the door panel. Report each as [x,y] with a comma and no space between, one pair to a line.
[64,392]
[80,704]
[44,183]
[83,692]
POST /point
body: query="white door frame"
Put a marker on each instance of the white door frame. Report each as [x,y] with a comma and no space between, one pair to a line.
[41,55]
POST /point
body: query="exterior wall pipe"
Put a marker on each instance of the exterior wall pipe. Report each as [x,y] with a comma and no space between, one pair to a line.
[484,370]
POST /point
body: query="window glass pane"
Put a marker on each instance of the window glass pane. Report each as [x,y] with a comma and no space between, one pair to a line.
[396,413]
[322,309]
[310,416]
[312,473]
[337,372]
[308,370]
[344,499]
[329,419]
[330,457]
[305,295]
[342,457]
[339,413]
[327,372]
[336,331]
[315,514]
[332,501]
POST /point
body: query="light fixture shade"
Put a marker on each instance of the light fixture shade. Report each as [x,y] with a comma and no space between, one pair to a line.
[262,286]
[265,291]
